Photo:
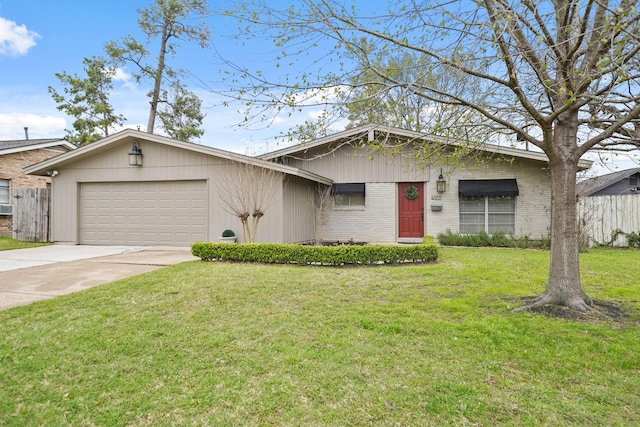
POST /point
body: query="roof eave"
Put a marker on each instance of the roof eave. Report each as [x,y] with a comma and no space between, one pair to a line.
[43,168]
[508,151]
[62,143]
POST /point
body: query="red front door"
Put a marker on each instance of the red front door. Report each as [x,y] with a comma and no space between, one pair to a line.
[411,210]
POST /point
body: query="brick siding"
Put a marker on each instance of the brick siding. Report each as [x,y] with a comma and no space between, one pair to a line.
[374,223]
[377,221]
[532,205]
[11,167]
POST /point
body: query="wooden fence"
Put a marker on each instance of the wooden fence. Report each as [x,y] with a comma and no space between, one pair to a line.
[601,217]
[31,214]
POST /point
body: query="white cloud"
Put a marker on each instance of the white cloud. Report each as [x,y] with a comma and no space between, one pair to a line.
[12,126]
[15,40]
[124,77]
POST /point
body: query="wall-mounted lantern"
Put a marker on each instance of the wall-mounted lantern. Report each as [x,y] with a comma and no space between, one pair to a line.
[441,183]
[135,156]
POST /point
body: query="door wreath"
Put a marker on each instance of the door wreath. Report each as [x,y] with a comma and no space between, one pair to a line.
[411,192]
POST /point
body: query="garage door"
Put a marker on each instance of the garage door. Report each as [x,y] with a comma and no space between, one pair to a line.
[167,213]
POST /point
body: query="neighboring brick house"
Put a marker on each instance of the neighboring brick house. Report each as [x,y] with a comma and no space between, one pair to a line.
[15,155]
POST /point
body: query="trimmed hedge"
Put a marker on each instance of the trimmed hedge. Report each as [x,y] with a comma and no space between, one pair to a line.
[314,255]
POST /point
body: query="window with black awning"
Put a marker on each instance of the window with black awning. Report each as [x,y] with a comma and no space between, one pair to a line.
[488,187]
[347,189]
[348,194]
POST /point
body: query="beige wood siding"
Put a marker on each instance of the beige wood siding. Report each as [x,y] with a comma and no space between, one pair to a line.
[347,164]
[172,213]
[160,163]
[298,216]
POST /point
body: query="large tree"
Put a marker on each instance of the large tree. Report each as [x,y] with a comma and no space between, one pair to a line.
[560,75]
[87,100]
[369,98]
[182,118]
[166,22]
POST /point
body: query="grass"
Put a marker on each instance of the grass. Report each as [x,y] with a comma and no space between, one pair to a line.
[7,243]
[241,344]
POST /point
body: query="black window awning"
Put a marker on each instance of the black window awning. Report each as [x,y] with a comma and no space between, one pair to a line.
[487,187]
[347,189]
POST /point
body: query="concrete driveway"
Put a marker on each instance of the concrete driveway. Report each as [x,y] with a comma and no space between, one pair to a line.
[28,275]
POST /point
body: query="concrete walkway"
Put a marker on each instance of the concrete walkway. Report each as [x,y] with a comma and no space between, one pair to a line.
[28,275]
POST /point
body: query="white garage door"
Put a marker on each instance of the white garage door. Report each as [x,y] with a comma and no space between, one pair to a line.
[167,213]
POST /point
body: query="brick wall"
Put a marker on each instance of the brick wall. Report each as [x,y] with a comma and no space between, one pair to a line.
[11,167]
[374,223]
[377,221]
[532,205]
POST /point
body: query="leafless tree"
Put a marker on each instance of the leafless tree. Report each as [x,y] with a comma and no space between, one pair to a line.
[247,191]
[321,202]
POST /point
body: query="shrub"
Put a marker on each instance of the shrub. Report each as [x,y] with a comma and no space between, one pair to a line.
[428,240]
[497,239]
[316,255]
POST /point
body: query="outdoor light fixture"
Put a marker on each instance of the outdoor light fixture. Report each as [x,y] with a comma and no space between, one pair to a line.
[441,184]
[135,156]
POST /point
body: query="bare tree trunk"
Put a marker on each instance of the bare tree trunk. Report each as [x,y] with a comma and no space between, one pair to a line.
[246,191]
[564,287]
[320,202]
[155,96]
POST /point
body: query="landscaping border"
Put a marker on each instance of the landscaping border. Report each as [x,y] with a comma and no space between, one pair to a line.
[275,253]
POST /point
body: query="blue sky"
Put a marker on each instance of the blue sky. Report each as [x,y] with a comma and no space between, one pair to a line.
[40,38]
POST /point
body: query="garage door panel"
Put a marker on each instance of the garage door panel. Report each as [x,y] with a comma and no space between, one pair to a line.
[143,213]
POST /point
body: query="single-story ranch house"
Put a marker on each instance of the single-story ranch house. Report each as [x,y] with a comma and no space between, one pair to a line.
[172,196]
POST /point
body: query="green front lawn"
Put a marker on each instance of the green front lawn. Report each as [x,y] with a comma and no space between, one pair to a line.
[225,344]
[7,243]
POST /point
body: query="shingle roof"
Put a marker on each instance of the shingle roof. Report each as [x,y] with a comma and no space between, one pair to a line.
[16,145]
[595,184]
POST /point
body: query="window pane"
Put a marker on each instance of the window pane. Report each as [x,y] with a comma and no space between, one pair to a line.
[341,200]
[472,205]
[470,224]
[354,200]
[471,215]
[347,189]
[499,212]
[4,192]
[501,222]
[502,214]
[348,194]
[501,205]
